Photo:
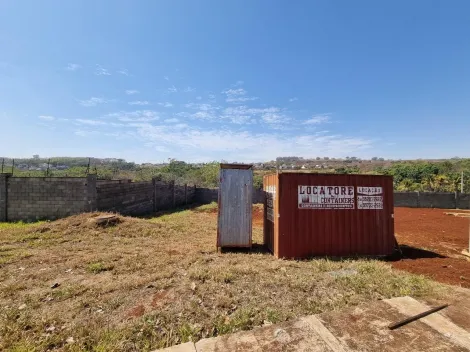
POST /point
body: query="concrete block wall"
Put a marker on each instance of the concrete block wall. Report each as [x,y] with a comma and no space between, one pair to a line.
[437,200]
[463,201]
[209,195]
[47,198]
[141,197]
[406,199]
[125,198]
[432,200]
[3,197]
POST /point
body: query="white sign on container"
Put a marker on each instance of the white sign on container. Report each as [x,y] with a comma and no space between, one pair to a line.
[270,197]
[370,198]
[326,197]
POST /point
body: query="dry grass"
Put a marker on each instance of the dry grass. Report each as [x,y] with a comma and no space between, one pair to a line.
[149,283]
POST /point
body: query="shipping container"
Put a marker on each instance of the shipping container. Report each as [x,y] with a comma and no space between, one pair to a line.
[235,205]
[308,214]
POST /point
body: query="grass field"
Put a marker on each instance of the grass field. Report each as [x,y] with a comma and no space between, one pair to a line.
[149,283]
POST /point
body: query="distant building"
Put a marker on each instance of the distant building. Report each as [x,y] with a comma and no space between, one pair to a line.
[35,156]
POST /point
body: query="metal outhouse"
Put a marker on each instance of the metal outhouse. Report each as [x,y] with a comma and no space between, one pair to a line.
[235,205]
[308,214]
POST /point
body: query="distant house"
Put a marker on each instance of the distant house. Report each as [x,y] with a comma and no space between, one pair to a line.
[303,167]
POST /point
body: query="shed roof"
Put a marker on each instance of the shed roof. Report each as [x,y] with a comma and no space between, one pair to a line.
[236,166]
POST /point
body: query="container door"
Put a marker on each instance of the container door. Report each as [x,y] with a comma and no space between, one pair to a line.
[235,207]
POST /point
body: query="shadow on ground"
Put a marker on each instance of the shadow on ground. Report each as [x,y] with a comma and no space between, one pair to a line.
[409,252]
[255,248]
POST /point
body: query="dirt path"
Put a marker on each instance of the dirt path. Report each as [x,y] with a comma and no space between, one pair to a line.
[442,238]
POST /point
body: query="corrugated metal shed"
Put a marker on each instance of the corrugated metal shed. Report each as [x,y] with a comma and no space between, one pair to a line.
[329,214]
[235,205]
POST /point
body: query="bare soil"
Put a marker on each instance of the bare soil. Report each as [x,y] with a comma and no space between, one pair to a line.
[432,243]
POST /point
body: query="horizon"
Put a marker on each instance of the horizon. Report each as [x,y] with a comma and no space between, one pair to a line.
[235,80]
[309,159]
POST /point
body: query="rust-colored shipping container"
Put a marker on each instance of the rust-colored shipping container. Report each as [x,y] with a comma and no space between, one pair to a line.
[308,214]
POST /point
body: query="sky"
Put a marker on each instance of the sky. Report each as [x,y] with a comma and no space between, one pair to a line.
[234,80]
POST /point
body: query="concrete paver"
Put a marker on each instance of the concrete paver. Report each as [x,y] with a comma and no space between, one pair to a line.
[362,328]
[365,328]
[409,306]
[297,335]
[243,341]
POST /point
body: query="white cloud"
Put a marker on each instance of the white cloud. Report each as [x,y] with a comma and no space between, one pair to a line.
[237,95]
[293,99]
[132,92]
[189,89]
[217,144]
[161,149]
[199,98]
[90,122]
[101,71]
[172,89]
[244,114]
[166,78]
[172,120]
[93,101]
[204,111]
[73,67]
[211,97]
[124,72]
[46,117]
[134,116]
[317,119]
[85,133]
[139,102]
[166,104]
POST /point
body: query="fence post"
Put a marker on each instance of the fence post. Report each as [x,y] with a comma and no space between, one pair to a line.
[4,197]
[92,193]
[418,205]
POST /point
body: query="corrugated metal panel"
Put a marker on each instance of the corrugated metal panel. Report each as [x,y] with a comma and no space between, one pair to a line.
[235,207]
[270,186]
[334,215]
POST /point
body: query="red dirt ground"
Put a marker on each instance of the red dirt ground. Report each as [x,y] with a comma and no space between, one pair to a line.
[443,236]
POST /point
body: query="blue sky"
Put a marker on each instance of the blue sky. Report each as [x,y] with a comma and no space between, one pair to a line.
[234,80]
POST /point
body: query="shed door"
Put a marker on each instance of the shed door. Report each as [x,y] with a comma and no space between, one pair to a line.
[235,203]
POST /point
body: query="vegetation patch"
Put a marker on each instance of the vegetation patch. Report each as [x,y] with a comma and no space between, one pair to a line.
[98,267]
[150,283]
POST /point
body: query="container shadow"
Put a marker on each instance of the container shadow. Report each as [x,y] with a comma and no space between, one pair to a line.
[255,248]
[410,252]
